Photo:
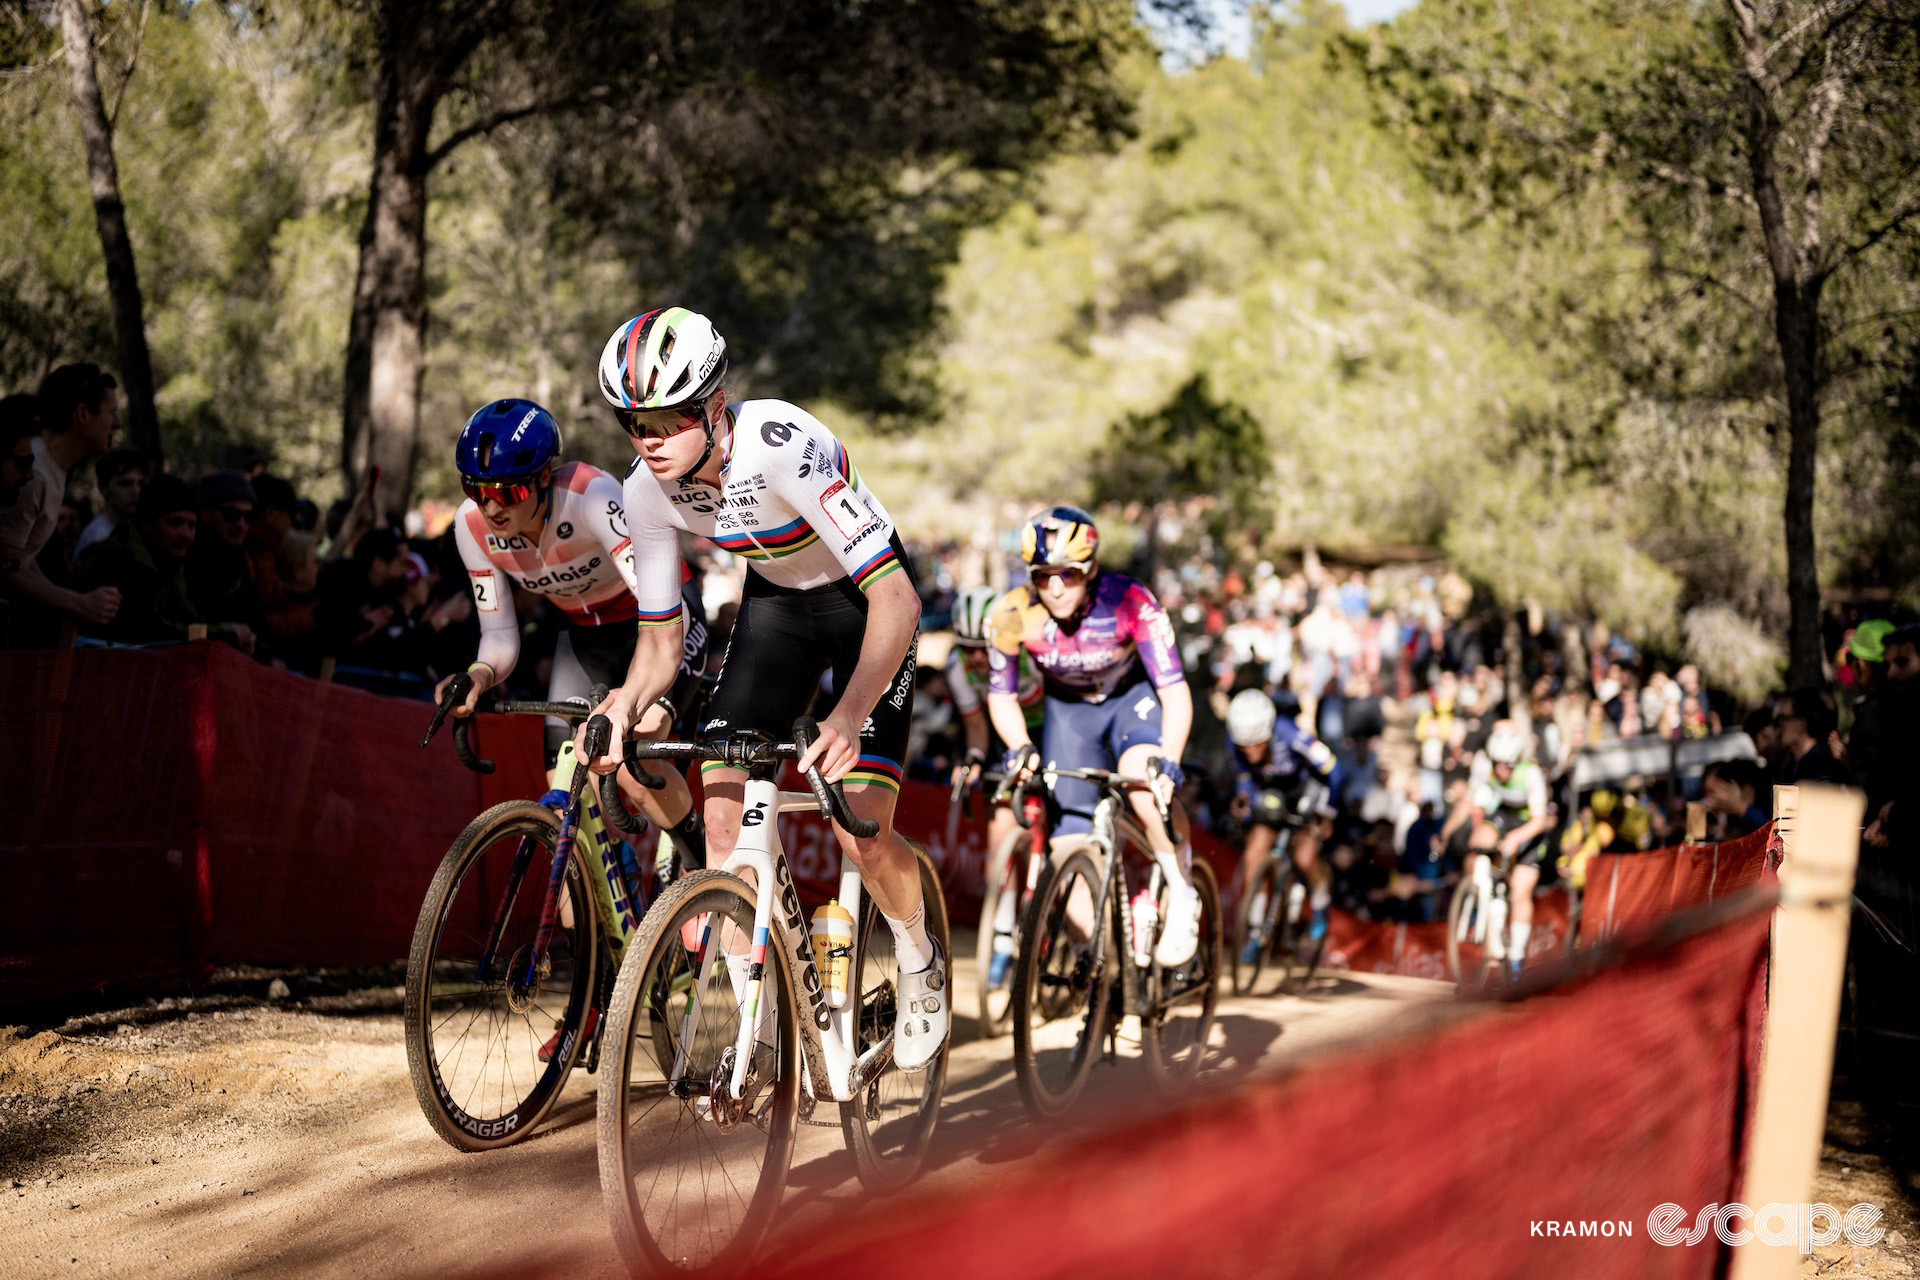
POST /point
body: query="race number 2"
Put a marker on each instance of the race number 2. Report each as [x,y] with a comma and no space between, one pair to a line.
[486,595]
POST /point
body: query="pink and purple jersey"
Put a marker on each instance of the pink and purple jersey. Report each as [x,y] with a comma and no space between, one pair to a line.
[1121,631]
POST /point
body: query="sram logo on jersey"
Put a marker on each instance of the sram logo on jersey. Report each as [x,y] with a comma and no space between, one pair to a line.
[560,576]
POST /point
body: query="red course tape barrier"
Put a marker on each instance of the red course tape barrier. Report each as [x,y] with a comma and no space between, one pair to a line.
[176,809]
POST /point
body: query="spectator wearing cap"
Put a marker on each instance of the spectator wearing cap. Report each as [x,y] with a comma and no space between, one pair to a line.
[145,561]
[1893,785]
[218,576]
[79,409]
[120,476]
[1866,659]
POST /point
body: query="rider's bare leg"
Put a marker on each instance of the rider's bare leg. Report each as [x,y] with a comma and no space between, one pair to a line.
[1170,849]
[1520,885]
[1259,847]
[889,872]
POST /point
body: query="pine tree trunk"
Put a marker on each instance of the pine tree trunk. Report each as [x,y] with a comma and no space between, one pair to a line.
[123,281]
[386,337]
[1796,323]
[1796,320]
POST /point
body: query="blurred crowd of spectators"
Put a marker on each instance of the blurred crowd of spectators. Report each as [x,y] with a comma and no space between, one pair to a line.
[1404,674]
[1397,667]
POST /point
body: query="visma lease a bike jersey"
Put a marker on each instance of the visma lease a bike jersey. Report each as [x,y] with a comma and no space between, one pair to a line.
[789,500]
[582,561]
[1293,755]
[1120,629]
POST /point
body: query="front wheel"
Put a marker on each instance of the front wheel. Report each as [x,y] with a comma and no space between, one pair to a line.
[1061,979]
[1006,873]
[888,1126]
[1260,925]
[691,1172]
[480,1010]
[1466,934]
[1173,1034]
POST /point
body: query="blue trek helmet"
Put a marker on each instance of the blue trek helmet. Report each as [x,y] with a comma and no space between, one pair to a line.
[507,440]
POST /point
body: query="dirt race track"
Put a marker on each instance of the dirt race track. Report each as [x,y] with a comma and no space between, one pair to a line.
[230,1136]
[235,1135]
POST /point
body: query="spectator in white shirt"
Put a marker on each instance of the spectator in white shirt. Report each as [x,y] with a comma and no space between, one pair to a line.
[79,408]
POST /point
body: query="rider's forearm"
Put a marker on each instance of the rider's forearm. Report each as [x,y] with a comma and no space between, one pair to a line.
[499,651]
[1008,719]
[975,723]
[1455,820]
[893,618]
[1176,719]
[656,661]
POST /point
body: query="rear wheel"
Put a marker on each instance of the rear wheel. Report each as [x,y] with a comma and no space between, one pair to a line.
[1174,1031]
[1060,983]
[692,1174]
[889,1125]
[1006,870]
[476,1018]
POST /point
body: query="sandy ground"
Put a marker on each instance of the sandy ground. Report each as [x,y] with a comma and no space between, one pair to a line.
[235,1135]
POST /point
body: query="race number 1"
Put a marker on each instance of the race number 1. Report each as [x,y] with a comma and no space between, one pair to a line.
[847,509]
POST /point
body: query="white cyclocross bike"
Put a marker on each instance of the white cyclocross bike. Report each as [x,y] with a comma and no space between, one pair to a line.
[721,1037]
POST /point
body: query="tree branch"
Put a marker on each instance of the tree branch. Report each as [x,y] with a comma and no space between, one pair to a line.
[1753,53]
[133,60]
[1700,182]
[1839,13]
[1827,97]
[1874,237]
[487,124]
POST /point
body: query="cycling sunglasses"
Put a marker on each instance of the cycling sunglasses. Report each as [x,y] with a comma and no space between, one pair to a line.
[1073,574]
[658,424]
[510,493]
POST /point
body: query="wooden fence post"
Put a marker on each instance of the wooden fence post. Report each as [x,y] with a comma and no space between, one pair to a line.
[1820,834]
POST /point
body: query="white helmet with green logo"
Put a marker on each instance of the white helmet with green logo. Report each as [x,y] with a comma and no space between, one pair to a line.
[970,615]
[663,359]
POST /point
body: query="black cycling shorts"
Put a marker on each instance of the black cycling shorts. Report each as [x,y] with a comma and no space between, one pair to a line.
[1536,854]
[783,641]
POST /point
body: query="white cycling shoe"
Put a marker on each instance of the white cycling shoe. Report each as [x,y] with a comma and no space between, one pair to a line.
[1180,937]
[920,1014]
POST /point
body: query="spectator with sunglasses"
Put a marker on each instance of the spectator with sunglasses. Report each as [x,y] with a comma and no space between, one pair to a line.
[1116,694]
[558,529]
[218,577]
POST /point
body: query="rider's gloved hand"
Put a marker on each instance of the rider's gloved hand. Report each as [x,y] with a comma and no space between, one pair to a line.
[1168,769]
[1018,759]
